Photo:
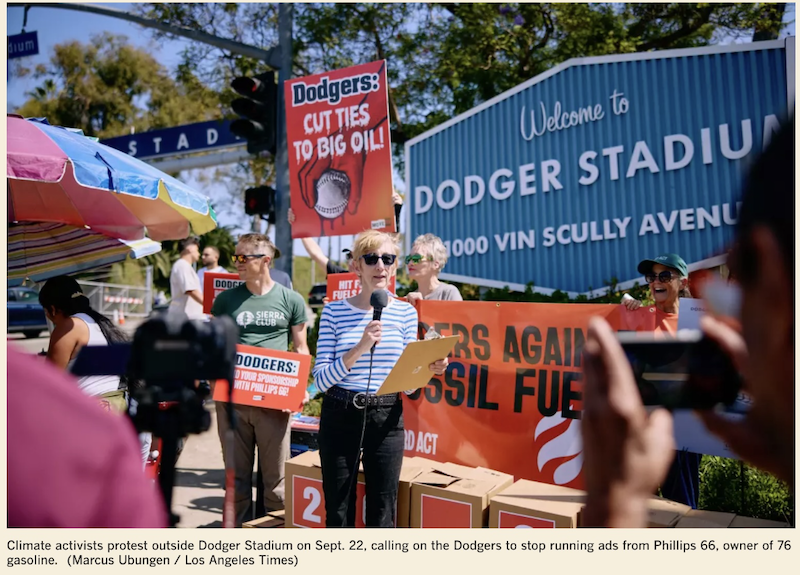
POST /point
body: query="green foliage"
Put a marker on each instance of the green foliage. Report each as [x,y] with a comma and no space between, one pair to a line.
[731,486]
[108,87]
[444,58]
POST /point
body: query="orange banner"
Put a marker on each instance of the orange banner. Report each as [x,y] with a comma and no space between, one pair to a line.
[216,283]
[343,286]
[340,158]
[267,378]
[511,398]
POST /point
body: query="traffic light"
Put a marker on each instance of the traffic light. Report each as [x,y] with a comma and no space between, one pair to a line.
[260,200]
[259,108]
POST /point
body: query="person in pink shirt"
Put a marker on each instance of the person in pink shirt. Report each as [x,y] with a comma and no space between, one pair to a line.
[70,463]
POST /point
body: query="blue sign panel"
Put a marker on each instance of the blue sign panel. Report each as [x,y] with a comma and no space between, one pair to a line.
[199,137]
[572,178]
[21,45]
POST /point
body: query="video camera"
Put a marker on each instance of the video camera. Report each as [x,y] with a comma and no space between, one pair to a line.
[171,355]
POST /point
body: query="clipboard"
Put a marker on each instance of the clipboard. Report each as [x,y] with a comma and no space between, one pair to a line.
[411,370]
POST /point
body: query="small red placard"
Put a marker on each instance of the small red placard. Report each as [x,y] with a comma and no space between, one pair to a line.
[343,286]
[267,378]
[216,283]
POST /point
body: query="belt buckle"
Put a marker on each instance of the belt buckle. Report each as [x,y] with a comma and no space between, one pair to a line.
[360,403]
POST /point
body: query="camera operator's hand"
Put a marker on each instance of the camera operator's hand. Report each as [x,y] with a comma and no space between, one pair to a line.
[752,437]
[626,452]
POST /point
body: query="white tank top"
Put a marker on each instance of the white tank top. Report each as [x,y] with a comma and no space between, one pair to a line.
[95,384]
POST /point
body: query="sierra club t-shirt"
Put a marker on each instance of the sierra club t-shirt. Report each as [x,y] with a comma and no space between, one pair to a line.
[263,320]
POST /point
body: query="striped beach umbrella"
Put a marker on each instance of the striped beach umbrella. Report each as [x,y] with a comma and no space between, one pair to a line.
[61,176]
[39,251]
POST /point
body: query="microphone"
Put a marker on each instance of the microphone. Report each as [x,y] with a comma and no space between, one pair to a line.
[378,300]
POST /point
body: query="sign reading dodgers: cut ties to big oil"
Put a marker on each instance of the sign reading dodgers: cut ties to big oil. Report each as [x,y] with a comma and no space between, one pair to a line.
[340,159]
[267,378]
[215,283]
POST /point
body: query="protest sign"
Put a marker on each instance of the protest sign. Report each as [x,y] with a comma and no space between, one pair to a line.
[216,283]
[512,396]
[343,286]
[267,378]
[340,161]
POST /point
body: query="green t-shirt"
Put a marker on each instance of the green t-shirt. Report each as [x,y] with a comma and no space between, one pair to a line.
[263,320]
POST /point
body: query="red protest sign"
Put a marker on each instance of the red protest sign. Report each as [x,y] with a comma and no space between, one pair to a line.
[340,159]
[343,286]
[216,283]
[267,378]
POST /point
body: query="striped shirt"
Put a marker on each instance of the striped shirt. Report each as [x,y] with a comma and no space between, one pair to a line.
[342,326]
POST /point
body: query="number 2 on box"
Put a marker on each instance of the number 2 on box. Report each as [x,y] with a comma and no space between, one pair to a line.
[316,498]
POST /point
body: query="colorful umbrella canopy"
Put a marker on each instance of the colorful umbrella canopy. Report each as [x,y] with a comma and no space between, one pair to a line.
[40,251]
[60,175]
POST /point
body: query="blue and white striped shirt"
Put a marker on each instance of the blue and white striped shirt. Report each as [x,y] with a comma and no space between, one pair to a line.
[342,326]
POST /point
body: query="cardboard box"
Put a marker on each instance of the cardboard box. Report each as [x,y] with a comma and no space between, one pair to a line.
[537,505]
[695,518]
[305,500]
[450,495]
[749,522]
[412,468]
[269,521]
[665,513]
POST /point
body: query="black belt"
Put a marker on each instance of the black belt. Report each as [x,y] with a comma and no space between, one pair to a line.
[360,399]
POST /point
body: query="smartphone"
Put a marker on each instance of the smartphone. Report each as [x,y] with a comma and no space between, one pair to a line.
[688,371]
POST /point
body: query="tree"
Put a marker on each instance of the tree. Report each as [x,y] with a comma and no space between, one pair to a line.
[445,58]
[108,88]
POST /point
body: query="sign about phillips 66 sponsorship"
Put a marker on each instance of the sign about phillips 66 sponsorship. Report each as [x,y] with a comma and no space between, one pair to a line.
[267,378]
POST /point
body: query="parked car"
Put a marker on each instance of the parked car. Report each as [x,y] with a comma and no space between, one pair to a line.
[318,291]
[25,313]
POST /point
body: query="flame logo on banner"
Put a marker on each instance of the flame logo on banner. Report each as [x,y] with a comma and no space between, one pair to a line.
[566,444]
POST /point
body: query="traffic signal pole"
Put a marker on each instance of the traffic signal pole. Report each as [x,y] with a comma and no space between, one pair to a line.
[283,233]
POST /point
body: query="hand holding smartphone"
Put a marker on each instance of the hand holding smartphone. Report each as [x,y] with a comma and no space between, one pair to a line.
[689,371]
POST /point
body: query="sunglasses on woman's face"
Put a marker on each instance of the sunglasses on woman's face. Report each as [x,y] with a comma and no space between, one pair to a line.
[663,277]
[372,259]
[242,258]
[417,258]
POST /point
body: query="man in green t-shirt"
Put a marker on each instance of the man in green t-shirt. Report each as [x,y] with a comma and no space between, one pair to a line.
[266,313]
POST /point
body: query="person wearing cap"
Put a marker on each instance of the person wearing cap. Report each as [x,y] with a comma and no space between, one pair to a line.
[668,278]
[267,314]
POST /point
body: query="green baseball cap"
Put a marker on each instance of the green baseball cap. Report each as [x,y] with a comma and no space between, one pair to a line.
[673,261]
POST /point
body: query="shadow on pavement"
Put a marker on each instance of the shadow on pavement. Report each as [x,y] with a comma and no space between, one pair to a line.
[209,504]
[204,478]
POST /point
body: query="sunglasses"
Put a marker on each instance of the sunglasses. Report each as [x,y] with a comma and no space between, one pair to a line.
[663,277]
[242,258]
[372,259]
[417,258]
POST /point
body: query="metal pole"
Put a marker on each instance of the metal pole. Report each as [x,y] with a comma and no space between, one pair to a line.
[283,234]
[271,56]
[148,294]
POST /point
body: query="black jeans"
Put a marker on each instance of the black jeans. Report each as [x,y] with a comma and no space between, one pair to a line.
[384,442]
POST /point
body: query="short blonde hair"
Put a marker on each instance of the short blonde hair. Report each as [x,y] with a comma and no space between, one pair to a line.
[370,240]
[435,246]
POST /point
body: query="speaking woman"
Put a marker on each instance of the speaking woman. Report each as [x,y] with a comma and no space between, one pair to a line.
[350,374]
